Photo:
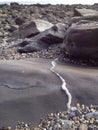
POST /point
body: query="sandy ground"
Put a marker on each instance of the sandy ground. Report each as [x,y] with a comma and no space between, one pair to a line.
[29,90]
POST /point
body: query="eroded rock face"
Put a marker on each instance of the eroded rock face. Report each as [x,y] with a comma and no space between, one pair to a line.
[34,27]
[54,35]
[82,40]
[85,12]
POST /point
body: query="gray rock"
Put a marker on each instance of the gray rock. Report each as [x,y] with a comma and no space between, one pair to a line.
[19,21]
[91,127]
[66,124]
[1,34]
[13,28]
[78,18]
[78,112]
[42,25]
[92,115]
[54,35]
[81,40]
[83,127]
[15,6]
[85,12]
[33,28]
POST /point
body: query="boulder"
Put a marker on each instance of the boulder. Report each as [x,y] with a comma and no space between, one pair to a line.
[19,21]
[42,25]
[33,28]
[81,40]
[79,18]
[85,12]
[54,35]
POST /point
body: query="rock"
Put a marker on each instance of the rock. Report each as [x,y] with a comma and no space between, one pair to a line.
[33,28]
[1,34]
[13,28]
[33,47]
[54,35]
[83,127]
[91,127]
[78,18]
[81,40]
[15,6]
[66,124]
[85,12]
[42,25]
[78,112]
[92,115]
[3,15]
[19,21]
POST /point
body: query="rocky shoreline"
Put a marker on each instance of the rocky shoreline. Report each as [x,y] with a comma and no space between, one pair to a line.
[14,23]
[14,45]
[81,117]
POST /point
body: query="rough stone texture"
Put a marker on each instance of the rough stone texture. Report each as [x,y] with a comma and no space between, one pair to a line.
[33,28]
[54,35]
[92,115]
[19,21]
[82,40]
[83,127]
[85,12]
[78,18]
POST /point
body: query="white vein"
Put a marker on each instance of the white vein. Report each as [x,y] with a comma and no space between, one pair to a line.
[64,88]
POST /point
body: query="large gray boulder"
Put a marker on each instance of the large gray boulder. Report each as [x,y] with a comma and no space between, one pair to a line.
[81,40]
[34,27]
[54,35]
[85,12]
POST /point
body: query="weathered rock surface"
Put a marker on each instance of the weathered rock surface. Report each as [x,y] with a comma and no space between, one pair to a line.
[19,21]
[85,12]
[82,40]
[54,35]
[79,18]
[92,115]
[33,28]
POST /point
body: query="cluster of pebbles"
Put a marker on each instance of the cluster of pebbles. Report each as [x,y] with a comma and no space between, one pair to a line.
[79,118]
[7,53]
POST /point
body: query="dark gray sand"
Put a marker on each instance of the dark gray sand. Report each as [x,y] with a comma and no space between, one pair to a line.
[29,90]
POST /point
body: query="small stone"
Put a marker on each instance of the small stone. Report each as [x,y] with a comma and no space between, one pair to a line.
[78,112]
[83,127]
[93,110]
[92,120]
[9,128]
[66,124]
[78,105]
[1,34]
[91,127]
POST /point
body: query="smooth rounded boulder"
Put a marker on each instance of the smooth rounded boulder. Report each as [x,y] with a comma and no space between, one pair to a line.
[81,40]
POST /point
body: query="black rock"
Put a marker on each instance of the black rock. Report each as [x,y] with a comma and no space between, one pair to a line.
[81,40]
[19,21]
[54,35]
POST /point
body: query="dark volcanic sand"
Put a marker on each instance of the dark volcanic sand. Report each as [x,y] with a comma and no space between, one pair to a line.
[29,90]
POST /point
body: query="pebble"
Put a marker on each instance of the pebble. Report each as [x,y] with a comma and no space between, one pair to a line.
[83,127]
[72,120]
